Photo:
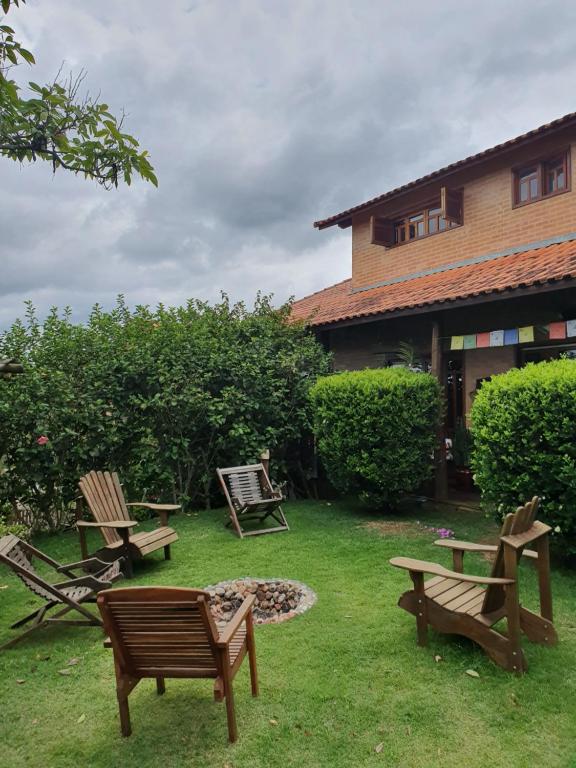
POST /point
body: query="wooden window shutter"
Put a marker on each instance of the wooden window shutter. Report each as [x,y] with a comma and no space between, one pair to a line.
[451,204]
[381,231]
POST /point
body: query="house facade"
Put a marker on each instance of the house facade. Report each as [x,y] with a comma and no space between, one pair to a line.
[472,267]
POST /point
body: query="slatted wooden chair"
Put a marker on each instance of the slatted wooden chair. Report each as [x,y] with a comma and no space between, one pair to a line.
[454,602]
[68,595]
[160,632]
[105,498]
[250,496]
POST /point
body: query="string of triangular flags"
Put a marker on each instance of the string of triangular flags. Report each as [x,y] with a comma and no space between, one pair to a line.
[524,335]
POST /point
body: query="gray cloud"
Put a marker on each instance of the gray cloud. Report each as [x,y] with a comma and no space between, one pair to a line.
[261,117]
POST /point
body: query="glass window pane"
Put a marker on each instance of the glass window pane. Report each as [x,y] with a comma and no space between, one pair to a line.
[432,225]
[434,211]
[560,179]
[442,224]
[523,191]
[420,228]
[411,232]
[419,217]
[533,187]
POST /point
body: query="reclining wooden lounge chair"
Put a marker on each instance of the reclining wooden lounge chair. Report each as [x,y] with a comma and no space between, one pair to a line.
[466,605]
[69,595]
[105,498]
[161,632]
[250,496]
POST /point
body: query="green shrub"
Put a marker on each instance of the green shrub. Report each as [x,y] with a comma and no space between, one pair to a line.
[524,427]
[376,430]
[162,396]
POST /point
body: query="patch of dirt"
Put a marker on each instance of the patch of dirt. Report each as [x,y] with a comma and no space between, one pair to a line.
[392,528]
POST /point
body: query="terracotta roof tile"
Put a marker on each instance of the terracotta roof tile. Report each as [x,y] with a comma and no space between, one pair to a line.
[541,265]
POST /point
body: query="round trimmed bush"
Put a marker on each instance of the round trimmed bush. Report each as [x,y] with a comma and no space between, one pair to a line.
[376,430]
[524,427]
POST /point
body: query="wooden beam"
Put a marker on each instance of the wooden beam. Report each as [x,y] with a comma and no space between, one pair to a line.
[441,472]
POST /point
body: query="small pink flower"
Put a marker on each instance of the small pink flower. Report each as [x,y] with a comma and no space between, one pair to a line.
[42,440]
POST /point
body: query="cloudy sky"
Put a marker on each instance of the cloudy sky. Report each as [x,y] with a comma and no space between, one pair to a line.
[260,117]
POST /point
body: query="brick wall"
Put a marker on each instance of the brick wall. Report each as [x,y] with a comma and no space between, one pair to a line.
[480,363]
[490,222]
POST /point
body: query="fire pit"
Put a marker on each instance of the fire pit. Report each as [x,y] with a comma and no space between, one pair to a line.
[276,599]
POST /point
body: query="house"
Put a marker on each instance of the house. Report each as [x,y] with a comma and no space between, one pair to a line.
[473,266]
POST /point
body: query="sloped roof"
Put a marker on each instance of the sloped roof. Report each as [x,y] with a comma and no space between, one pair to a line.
[343,218]
[539,266]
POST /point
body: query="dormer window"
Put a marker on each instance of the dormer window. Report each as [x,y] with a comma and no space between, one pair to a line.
[436,218]
[541,179]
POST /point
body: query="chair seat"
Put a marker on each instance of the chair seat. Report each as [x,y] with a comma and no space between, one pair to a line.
[148,541]
[77,593]
[456,596]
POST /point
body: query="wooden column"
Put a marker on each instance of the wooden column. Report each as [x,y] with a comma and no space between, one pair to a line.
[441,475]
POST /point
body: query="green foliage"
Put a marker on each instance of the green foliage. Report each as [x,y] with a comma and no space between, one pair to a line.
[161,396]
[524,427]
[376,430]
[462,444]
[77,134]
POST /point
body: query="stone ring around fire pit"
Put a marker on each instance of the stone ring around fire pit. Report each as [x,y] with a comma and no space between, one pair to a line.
[276,599]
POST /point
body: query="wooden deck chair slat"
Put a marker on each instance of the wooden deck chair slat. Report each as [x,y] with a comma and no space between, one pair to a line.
[250,496]
[177,638]
[105,499]
[464,606]
[64,596]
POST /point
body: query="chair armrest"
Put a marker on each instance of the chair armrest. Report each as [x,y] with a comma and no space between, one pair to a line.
[163,510]
[82,564]
[422,566]
[155,507]
[465,546]
[233,626]
[468,546]
[118,524]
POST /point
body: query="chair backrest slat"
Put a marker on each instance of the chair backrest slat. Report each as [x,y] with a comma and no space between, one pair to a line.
[247,484]
[105,499]
[514,523]
[156,629]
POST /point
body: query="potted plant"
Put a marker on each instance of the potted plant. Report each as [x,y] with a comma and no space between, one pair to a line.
[461,450]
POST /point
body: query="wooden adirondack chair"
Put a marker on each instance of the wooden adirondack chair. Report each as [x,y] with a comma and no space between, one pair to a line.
[161,632]
[105,498]
[250,496]
[69,595]
[454,602]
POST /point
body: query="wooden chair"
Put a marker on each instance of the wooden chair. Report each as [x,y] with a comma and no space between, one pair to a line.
[105,498]
[69,594]
[250,496]
[467,605]
[161,632]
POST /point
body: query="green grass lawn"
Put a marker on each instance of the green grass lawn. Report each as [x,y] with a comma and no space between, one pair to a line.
[335,683]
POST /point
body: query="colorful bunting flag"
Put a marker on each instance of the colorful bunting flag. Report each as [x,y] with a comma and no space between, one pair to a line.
[511,336]
[457,342]
[570,327]
[470,341]
[496,338]
[483,339]
[557,330]
[526,334]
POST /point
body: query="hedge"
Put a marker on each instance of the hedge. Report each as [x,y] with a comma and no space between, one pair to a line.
[524,427]
[376,429]
[163,396]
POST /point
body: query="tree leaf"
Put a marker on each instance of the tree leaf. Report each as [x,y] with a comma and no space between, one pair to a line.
[472,673]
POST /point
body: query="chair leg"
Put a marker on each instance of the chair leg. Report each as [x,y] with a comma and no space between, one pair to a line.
[230,711]
[125,725]
[421,615]
[167,555]
[160,686]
